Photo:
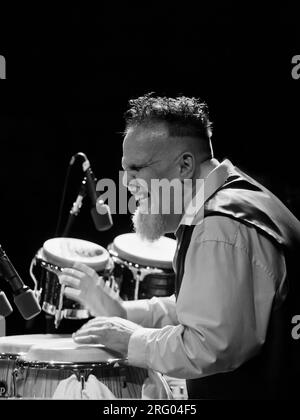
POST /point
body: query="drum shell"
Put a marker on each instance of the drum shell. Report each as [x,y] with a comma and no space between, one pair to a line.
[50,290]
[7,367]
[143,269]
[41,381]
[31,368]
[12,348]
[153,281]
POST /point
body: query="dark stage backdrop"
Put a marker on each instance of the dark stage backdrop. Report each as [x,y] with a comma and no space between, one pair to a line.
[70,74]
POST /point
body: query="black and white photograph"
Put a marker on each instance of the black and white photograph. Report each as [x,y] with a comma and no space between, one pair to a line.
[150,205]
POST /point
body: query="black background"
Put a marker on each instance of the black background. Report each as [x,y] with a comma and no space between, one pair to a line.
[71,72]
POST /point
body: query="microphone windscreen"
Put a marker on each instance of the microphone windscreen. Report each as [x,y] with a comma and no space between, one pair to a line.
[5,306]
[103,220]
[27,304]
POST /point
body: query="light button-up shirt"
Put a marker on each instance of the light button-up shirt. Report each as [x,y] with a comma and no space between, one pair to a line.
[233,276]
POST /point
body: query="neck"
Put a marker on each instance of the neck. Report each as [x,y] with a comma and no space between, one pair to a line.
[205,168]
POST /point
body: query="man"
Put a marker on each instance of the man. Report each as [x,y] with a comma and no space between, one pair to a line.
[227,329]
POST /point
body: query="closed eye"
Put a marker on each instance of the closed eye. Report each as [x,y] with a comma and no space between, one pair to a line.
[134,168]
[137,168]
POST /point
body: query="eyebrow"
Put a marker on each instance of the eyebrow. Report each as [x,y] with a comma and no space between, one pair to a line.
[135,166]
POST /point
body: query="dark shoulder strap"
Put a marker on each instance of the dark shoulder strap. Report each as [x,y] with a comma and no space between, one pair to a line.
[182,247]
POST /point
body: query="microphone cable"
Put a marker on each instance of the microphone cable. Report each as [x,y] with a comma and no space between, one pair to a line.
[63,198]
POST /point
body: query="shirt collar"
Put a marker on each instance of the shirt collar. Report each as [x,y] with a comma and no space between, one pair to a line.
[205,188]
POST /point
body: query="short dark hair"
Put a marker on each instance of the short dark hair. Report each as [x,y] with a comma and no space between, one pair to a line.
[184,116]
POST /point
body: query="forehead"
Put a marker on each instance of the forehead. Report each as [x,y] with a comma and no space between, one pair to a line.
[144,142]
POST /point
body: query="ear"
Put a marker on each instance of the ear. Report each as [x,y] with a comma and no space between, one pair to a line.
[187,165]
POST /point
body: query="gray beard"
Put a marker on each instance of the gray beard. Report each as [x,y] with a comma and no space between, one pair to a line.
[148,226]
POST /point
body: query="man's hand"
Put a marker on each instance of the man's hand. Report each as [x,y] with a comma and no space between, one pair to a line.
[114,333]
[85,286]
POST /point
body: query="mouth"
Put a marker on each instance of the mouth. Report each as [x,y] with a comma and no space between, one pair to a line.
[141,198]
[139,195]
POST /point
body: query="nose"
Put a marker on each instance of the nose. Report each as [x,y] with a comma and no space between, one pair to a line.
[128,177]
[131,183]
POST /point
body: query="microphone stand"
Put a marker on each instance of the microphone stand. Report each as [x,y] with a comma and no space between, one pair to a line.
[2,326]
[75,210]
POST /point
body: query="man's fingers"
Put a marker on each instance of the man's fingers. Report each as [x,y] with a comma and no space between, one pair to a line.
[96,321]
[87,339]
[72,272]
[101,282]
[73,294]
[69,281]
[85,269]
[99,331]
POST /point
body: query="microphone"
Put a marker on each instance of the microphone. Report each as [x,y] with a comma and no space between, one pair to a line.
[24,298]
[5,306]
[100,212]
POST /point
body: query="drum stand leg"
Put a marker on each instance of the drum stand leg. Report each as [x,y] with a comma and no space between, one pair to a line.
[82,377]
[15,373]
[137,285]
[82,381]
[58,312]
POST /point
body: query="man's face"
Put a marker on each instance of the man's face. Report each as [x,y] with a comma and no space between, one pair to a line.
[147,155]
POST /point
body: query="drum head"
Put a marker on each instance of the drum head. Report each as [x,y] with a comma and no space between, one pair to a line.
[15,344]
[66,251]
[132,248]
[62,349]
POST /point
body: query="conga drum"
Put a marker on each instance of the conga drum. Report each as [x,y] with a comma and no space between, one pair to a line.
[62,369]
[143,269]
[56,254]
[12,348]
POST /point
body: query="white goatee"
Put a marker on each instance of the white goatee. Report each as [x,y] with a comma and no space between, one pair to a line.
[148,226]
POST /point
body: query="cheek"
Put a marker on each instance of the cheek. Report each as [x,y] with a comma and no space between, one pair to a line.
[170,172]
[144,178]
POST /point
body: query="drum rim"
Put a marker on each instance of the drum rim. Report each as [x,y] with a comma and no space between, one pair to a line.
[55,365]
[67,313]
[161,264]
[11,356]
[138,266]
[57,269]
[68,261]
[76,313]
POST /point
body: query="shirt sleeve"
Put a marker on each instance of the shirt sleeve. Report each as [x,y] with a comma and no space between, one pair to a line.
[155,312]
[223,310]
